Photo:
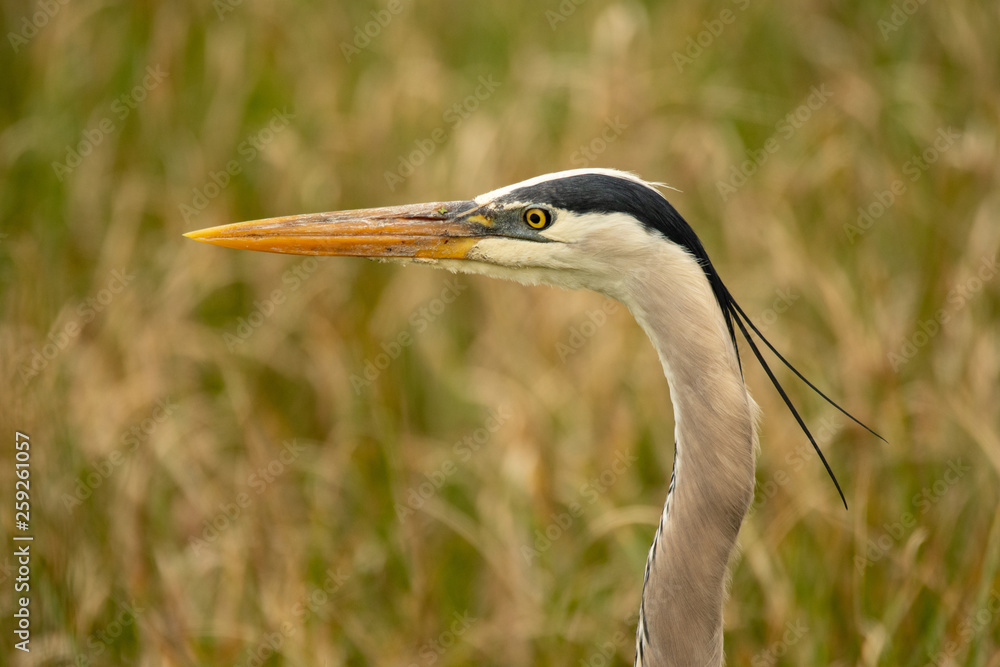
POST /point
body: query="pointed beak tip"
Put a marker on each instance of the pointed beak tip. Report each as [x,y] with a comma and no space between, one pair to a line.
[208,235]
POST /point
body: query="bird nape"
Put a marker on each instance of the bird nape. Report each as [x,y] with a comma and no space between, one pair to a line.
[613,233]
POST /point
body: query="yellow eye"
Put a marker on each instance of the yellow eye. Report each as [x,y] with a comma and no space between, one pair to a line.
[538,218]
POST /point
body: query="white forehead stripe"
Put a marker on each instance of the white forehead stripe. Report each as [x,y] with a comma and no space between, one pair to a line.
[499,192]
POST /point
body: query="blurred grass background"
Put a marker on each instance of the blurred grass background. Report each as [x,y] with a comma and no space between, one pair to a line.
[226,447]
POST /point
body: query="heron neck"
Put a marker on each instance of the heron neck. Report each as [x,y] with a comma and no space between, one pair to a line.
[713,477]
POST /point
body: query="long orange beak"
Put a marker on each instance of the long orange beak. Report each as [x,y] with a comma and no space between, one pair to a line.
[442,230]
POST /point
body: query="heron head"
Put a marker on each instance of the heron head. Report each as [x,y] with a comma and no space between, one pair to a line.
[599,229]
[586,228]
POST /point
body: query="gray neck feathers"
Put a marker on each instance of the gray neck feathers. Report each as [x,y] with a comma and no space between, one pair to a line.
[713,478]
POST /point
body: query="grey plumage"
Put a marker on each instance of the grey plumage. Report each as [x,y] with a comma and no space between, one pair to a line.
[613,233]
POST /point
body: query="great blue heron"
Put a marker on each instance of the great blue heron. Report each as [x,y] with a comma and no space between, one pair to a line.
[611,232]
